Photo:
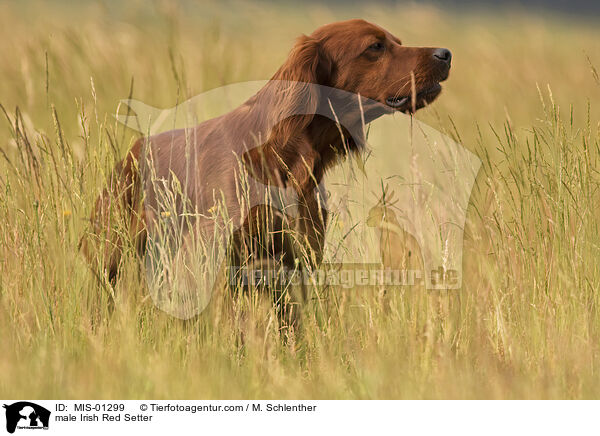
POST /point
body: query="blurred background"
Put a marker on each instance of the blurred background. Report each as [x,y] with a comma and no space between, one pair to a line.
[173,50]
[522,95]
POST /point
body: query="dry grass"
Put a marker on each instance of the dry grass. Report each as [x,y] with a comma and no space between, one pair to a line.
[526,323]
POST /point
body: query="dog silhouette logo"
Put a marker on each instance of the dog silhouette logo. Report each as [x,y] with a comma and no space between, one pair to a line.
[26,415]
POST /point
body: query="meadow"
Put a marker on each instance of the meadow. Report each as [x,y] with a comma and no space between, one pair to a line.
[522,95]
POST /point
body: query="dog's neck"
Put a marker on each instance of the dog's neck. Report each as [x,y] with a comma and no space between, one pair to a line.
[341,132]
[326,131]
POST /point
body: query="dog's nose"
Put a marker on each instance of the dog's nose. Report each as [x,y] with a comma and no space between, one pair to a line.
[443,54]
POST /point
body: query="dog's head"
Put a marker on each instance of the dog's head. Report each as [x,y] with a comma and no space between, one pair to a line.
[324,74]
[364,59]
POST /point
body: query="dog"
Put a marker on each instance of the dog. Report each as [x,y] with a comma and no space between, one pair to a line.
[309,116]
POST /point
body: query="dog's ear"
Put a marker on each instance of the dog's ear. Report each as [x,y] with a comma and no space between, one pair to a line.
[307,62]
[296,86]
[290,101]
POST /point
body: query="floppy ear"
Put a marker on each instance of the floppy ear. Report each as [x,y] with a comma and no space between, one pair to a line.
[292,97]
[297,87]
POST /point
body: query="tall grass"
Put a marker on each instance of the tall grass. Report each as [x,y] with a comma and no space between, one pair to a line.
[522,95]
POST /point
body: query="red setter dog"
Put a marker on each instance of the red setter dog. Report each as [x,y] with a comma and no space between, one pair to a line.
[287,135]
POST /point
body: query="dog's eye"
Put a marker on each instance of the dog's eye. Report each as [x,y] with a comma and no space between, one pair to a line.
[378,46]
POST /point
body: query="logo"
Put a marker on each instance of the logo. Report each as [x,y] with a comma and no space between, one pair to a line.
[403,209]
[26,415]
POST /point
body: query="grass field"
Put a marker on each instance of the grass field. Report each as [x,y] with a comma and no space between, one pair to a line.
[523,95]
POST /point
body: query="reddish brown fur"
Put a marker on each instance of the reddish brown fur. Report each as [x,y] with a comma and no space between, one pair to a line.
[297,151]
